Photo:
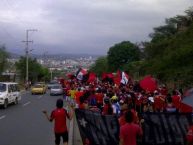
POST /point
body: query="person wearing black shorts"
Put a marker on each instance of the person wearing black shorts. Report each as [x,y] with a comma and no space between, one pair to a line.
[59,116]
[59,135]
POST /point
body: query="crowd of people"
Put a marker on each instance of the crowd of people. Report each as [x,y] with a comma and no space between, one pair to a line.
[127,102]
[108,99]
[103,96]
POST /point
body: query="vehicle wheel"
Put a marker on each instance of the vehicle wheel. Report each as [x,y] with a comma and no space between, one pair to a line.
[16,101]
[5,104]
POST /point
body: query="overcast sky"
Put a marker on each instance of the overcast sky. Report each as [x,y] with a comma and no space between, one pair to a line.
[82,26]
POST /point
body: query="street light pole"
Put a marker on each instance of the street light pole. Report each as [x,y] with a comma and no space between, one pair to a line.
[27,52]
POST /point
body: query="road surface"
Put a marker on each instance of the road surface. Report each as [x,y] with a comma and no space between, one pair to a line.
[25,124]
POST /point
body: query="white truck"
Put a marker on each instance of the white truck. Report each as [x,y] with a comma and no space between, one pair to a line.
[9,93]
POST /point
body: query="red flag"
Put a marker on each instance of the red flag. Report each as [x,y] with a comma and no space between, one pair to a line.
[148,84]
[104,76]
[184,108]
[117,78]
[107,75]
[110,75]
[92,77]
[70,76]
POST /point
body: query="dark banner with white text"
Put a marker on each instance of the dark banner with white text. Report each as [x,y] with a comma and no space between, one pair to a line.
[165,128]
[158,128]
[98,129]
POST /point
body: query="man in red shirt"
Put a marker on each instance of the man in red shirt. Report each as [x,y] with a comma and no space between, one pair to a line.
[78,94]
[176,99]
[59,116]
[159,103]
[129,131]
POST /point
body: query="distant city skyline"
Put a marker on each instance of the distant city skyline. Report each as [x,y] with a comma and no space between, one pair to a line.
[82,26]
[55,56]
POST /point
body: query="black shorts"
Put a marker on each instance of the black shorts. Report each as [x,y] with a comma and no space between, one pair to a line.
[63,135]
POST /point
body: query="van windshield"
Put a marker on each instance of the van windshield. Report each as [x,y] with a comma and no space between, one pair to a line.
[2,87]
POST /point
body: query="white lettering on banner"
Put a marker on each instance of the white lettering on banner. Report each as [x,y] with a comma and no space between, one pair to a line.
[166,126]
[158,129]
[111,127]
[164,129]
[176,130]
[101,130]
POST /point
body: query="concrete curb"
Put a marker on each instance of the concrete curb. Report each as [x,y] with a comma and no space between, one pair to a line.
[71,128]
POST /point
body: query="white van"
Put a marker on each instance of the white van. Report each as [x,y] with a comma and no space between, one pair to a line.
[9,93]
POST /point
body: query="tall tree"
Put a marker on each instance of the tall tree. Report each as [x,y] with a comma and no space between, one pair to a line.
[122,53]
[3,58]
[100,66]
[36,71]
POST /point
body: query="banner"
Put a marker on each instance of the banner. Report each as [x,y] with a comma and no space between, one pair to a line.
[165,128]
[97,128]
[158,128]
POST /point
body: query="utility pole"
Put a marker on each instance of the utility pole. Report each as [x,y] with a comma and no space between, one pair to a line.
[27,51]
[50,74]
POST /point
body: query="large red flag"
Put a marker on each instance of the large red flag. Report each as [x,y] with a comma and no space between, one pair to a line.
[184,108]
[92,77]
[148,84]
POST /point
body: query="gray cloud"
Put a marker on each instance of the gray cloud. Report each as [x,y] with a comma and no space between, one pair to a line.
[82,26]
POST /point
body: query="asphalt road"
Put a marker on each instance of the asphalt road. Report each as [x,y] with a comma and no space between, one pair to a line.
[25,124]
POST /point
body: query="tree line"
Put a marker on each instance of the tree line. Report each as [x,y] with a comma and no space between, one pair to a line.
[167,56]
[37,72]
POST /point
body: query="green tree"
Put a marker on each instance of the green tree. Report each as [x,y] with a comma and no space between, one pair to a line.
[3,58]
[122,53]
[36,71]
[168,56]
[100,66]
